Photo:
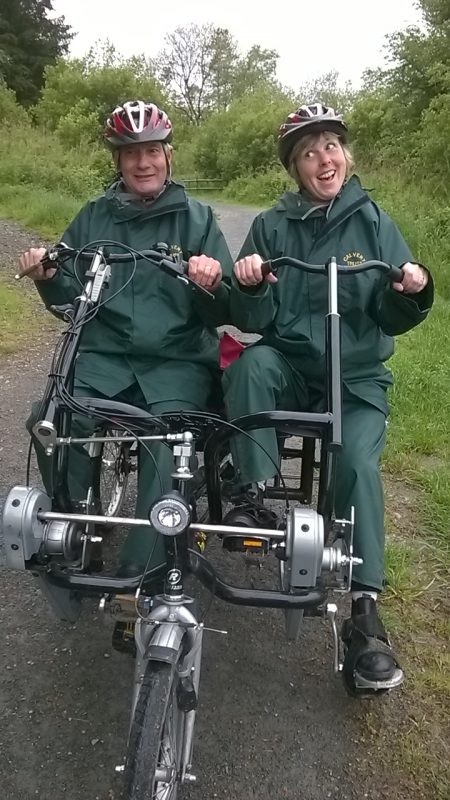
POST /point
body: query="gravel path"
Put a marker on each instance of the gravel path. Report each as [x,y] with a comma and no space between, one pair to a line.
[273,723]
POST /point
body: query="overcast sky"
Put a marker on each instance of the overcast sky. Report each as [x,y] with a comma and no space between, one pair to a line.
[311,38]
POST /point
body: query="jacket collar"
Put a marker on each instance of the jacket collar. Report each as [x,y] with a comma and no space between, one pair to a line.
[124,207]
[298,206]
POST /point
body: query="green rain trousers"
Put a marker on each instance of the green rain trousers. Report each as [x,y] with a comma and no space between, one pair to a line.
[261,380]
[155,464]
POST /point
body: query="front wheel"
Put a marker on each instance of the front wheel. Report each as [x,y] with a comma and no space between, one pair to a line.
[155,744]
[111,474]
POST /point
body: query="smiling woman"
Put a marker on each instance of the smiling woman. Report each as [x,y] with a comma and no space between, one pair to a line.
[330,215]
[320,166]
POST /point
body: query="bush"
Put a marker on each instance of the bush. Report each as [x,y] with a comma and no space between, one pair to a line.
[431,161]
[37,158]
[242,140]
[11,113]
[101,85]
[80,126]
[263,189]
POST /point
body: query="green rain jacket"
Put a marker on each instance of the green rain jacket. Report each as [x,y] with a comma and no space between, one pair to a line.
[148,317]
[290,314]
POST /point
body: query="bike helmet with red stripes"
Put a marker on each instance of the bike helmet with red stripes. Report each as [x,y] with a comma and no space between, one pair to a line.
[136,121]
[313,118]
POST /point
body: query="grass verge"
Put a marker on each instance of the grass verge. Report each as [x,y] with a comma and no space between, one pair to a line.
[22,318]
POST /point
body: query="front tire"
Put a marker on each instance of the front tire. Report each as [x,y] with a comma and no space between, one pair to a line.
[111,475]
[155,744]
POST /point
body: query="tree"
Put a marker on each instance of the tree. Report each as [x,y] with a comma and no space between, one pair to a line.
[402,113]
[197,68]
[325,89]
[86,90]
[254,70]
[203,72]
[420,63]
[29,41]
[224,57]
[370,123]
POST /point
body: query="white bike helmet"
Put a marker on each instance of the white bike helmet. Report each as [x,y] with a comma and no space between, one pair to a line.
[136,121]
[308,119]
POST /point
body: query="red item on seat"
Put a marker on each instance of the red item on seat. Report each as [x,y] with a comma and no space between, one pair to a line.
[230,350]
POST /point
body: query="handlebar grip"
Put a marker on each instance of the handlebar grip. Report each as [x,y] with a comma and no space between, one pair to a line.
[267,268]
[45,262]
[396,274]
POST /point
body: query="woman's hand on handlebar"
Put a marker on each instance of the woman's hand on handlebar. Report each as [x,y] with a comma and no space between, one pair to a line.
[249,273]
[32,264]
[415,278]
[205,271]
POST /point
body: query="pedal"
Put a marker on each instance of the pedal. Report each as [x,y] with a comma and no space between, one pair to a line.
[250,545]
[123,638]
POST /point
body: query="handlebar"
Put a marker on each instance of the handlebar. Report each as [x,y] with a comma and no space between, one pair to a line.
[173,265]
[394,274]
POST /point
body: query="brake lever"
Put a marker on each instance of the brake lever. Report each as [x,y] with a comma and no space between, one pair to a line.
[177,270]
[49,261]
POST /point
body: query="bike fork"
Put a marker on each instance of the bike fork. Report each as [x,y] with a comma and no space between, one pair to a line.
[192,669]
[171,626]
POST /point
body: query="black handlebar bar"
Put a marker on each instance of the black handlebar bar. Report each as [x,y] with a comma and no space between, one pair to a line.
[173,265]
[160,255]
[272,266]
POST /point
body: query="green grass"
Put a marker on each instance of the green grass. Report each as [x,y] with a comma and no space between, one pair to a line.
[418,445]
[20,321]
[40,210]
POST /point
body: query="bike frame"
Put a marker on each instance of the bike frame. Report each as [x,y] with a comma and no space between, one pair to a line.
[326,426]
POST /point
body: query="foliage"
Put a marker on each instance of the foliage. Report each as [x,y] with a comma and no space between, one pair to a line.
[242,140]
[431,159]
[253,71]
[368,122]
[423,220]
[326,89]
[417,81]
[25,161]
[11,113]
[263,189]
[201,67]
[29,41]
[88,89]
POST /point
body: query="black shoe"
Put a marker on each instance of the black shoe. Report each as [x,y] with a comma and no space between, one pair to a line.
[249,512]
[370,664]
